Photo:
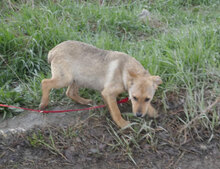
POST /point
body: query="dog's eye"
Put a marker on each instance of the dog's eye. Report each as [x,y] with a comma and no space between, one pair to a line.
[147,99]
[135,98]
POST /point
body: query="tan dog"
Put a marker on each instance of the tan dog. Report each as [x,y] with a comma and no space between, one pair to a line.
[76,64]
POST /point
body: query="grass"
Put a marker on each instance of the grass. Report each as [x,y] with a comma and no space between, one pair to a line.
[181,44]
[38,139]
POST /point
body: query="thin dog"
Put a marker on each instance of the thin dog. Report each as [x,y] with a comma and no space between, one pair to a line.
[76,64]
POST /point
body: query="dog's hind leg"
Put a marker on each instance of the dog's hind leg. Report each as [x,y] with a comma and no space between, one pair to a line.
[73,93]
[47,85]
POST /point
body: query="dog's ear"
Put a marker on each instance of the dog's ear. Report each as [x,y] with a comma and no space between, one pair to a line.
[156,80]
[131,77]
[132,74]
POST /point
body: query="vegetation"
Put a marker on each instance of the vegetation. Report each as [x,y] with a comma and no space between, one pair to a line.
[181,43]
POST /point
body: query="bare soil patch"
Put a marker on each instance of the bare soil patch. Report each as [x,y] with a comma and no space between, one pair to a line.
[84,140]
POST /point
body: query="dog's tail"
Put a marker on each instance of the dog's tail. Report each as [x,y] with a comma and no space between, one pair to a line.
[50,57]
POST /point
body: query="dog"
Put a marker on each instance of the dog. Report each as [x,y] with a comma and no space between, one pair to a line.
[76,64]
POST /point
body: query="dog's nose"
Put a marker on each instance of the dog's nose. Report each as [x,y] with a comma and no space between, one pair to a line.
[138,114]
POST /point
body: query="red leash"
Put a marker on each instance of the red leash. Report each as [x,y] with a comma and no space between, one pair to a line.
[61,111]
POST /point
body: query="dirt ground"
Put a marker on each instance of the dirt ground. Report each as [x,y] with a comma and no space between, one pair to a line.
[82,140]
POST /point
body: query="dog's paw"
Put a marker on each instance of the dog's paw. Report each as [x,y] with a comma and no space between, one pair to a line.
[42,106]
[86,102]
[124,124]
[89,102]
[153,113]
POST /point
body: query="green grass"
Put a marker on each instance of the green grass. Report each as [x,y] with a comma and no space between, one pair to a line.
[181,44]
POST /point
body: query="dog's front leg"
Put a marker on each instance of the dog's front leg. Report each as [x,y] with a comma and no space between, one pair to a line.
[152,112]
[110,100]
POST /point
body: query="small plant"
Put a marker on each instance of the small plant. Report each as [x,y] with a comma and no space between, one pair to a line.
[36,139]
[10,98]
[48,142]
[129,138]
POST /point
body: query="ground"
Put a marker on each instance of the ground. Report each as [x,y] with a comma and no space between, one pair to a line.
[86,140]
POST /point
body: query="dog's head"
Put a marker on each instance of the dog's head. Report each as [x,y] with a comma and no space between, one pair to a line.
[141,92]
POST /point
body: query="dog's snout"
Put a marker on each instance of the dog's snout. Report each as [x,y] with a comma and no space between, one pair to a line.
[138,114]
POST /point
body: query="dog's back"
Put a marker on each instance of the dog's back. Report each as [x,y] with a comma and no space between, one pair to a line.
[87,65]
[76,49]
